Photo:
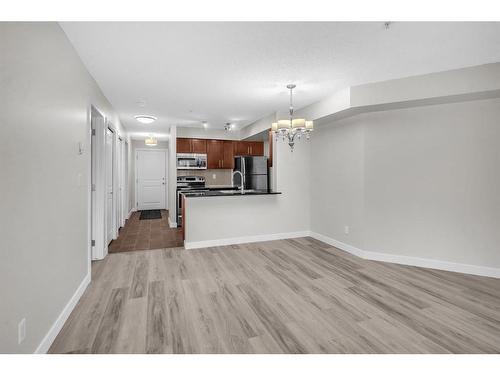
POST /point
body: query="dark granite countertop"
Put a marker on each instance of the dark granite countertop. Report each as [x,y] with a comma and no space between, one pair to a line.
[226,193]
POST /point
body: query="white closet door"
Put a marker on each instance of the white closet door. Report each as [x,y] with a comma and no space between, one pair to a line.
[109,185]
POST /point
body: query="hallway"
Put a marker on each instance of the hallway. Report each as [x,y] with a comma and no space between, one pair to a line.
[146,234]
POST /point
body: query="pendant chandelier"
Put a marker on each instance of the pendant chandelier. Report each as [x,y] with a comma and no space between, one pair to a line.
[291,128]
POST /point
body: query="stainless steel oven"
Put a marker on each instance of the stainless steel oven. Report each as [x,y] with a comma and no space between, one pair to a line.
[191,161]
[184,184]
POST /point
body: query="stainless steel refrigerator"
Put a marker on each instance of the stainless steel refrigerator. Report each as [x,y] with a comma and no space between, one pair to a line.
[254,171]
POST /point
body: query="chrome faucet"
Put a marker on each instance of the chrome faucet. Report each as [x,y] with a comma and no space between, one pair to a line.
[242,181]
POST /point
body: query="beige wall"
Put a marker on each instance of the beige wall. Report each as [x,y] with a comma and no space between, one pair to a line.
[420,182]
[45,96]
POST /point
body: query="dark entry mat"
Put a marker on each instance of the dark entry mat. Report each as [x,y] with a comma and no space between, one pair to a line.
[150,214]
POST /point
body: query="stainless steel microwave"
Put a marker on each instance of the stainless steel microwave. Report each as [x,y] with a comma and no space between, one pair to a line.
[191,161]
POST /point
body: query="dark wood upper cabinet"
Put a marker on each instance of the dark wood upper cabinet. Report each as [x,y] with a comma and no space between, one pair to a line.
[215,154]
[220,154]
[228,158]
[199,146]
[247,148]
[241,149]
[183,145]
[191,145]
[256,148]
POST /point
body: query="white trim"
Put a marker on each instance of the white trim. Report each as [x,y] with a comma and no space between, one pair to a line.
[411,261]
[171,224]
[63,316]
[249,239]
[130,212]
[98,197]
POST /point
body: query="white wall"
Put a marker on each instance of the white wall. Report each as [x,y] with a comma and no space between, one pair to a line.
[208,133]
[420,182]
[45,95]
[211,220]
[337,180]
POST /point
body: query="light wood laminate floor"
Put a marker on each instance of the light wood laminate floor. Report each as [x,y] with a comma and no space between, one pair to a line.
[287,296]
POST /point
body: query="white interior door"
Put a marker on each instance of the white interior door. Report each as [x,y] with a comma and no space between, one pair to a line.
[119,175]
[151,179]
[109,185]
[126,182]
[123,191]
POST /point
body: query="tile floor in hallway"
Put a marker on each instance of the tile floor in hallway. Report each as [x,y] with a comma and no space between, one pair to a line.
[146,234]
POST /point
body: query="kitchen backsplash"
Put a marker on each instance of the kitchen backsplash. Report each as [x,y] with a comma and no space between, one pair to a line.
[222,176]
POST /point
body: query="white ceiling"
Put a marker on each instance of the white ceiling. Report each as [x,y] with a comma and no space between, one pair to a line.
[237,72]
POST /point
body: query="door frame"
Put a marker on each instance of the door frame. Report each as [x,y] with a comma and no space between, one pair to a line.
[119,182]
[96,188]
[114,182]
[136,182]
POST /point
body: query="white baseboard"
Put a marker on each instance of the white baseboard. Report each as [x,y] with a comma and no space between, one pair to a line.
[130,213]
[63,316]
[172,224]
[248,239]
[410,261]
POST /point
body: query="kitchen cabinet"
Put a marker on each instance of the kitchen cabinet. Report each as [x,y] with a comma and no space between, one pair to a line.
[191,146]
[215,154]
[256,148]
[228,157]
[247,148]
[220,154]
[183,145]
[241,148]
[199,146]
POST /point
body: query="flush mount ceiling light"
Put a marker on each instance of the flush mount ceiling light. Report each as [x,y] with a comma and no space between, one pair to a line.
[151,141]
[204,123]
[291,128]
[145,119]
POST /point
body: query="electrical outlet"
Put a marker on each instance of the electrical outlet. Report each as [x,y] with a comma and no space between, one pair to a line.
[346,229]
[21,331]
[214,176]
